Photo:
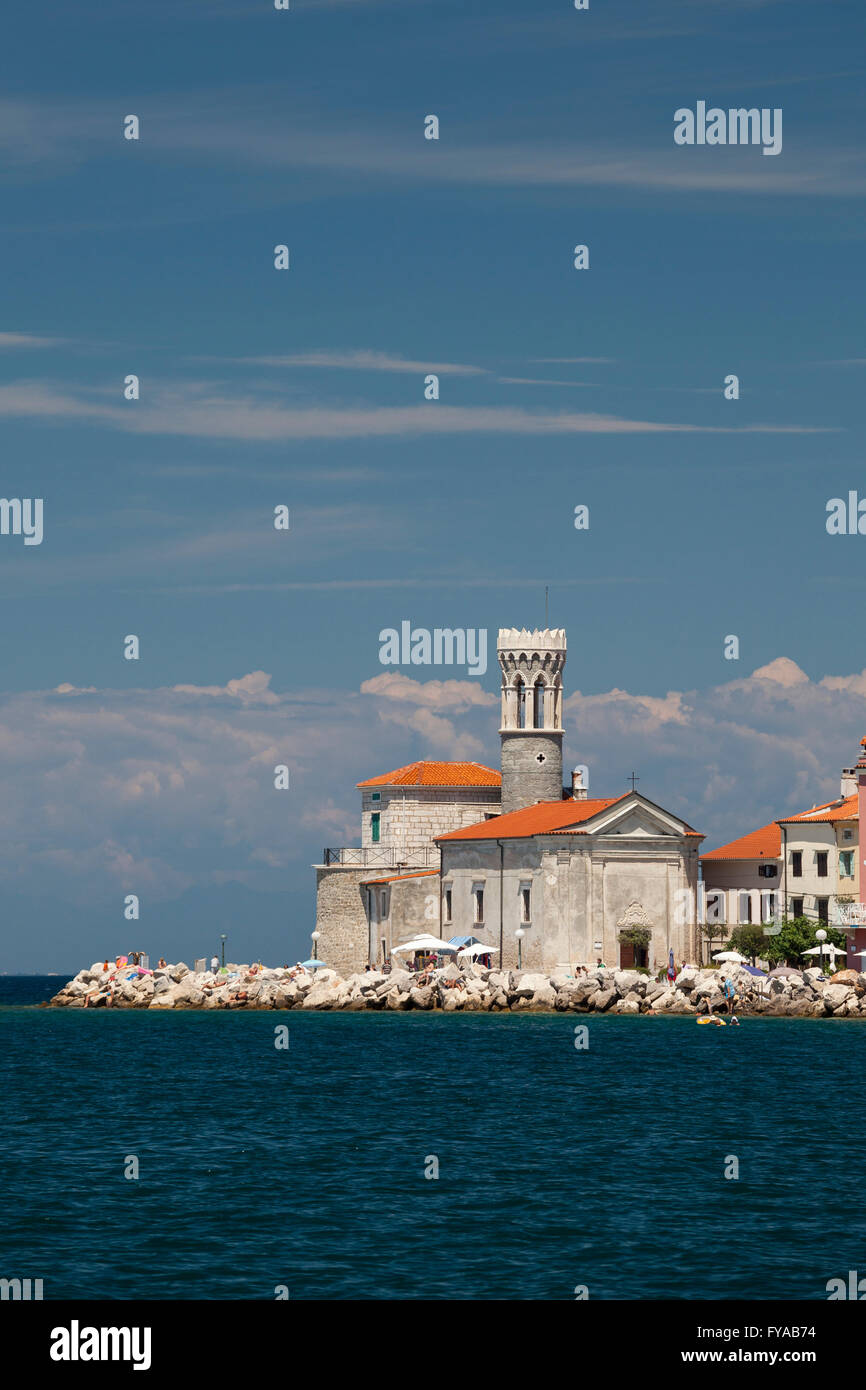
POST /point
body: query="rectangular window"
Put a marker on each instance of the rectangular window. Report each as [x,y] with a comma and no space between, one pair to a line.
[821,860]
[796,863]
[526,902]
[846,834]
[374,823]
[376,796]
[767,871]
[447,903]
[478,903]
[383,905]
[846,863]
[823,905]
[745,907]
[796,907]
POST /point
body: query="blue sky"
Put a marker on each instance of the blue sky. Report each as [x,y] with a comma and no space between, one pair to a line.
[558,387]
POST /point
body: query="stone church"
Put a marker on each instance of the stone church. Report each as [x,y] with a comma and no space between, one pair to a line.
[547,876]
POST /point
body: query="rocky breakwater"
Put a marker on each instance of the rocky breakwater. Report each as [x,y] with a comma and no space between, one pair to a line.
[695,991]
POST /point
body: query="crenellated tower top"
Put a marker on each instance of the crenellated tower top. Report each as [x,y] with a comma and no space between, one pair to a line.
[531,662]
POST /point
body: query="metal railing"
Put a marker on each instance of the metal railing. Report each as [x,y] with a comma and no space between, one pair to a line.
[383,857]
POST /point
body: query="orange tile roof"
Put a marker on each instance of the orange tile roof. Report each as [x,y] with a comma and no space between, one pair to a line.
[843,808]
[396,878]
[545,817]
[765,843]
[433,774]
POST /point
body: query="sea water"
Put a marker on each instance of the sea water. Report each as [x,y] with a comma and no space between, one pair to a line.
[299,1171]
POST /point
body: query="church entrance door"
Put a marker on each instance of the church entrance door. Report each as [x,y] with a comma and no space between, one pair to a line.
[631,956]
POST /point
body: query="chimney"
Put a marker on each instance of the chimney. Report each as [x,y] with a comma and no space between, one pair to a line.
[578,790]
[848,785]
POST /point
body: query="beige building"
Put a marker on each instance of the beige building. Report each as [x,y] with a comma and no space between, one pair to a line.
[572,876]
[543,875]
[819,860]
[805,865]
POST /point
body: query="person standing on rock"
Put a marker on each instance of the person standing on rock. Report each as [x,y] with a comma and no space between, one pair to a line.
[672,970]
[730,994]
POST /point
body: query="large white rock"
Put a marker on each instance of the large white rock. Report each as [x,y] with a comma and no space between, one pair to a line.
[322,995]
[398,979]
[705,987]
[628,979]
[526,985]
[545,997]
[663,1000]
[835,995]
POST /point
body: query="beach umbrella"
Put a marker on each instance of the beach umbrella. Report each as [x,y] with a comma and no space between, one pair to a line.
[826,949]
[782,970]
[479,949]
[753,970]
[425,942]
[731,956]
[314,965]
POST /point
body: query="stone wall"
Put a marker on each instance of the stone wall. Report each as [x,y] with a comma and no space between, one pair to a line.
[411,817]
[579,889]
[524,779]
[341,918]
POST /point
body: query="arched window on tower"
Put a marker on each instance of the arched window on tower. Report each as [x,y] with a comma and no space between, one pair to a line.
[538,704]
[521,703]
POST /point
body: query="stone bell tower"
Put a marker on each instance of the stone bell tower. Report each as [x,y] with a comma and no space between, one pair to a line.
[531,722]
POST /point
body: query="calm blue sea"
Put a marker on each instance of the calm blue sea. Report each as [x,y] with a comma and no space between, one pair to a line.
[305,1168]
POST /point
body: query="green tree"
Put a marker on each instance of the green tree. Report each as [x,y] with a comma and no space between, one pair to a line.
[795,938]
[750,941]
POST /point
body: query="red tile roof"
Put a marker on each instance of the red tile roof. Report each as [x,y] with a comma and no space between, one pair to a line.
[433,774]
[544,818]
[396,878]
[843,808]
[765,843]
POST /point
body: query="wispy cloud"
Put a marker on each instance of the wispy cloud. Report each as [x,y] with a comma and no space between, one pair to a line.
[63,136]
[173,412]
[360,360]
[28,340]
[538,381]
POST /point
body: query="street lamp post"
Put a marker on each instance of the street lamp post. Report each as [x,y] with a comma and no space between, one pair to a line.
[315,937]
[520,933]
[821,937]
[222,948]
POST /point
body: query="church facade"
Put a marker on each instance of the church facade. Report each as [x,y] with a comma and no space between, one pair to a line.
[545,875]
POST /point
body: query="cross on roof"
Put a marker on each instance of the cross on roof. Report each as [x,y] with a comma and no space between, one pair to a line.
[633,779]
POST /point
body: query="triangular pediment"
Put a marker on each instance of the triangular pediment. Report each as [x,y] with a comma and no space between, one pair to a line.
[636,818]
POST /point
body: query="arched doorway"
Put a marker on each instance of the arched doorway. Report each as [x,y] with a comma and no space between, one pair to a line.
[634,937]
